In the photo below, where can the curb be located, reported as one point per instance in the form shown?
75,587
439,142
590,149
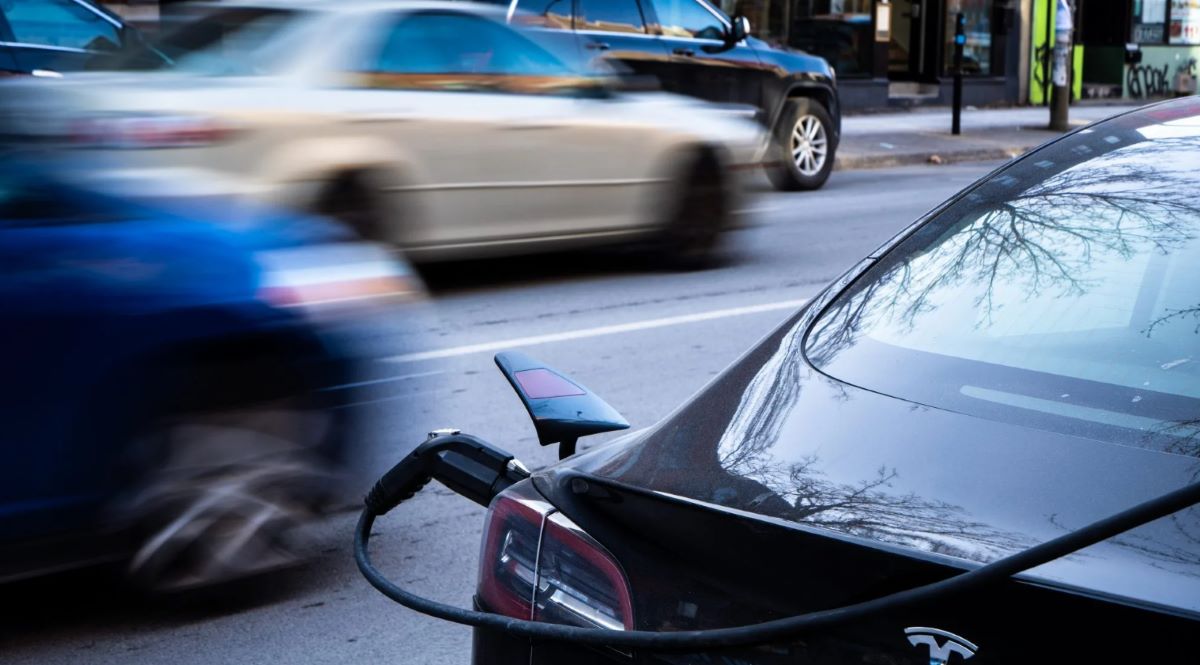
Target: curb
844,162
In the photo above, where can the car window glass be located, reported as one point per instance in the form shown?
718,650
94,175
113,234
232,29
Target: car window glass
1063,293
59,23
544,13
688,18
610,16
461,44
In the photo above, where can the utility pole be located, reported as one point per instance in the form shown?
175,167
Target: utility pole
1060,94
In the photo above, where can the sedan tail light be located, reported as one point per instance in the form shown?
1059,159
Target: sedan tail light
127,132
537,564
335,277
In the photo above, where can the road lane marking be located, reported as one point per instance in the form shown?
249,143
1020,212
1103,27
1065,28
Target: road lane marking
392,398
389,379
757,210
600,331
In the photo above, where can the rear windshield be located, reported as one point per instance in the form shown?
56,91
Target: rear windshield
1062,293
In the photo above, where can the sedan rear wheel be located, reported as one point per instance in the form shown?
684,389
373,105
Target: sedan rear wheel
350,199
692,238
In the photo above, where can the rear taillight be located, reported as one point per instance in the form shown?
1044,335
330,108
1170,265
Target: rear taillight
335,276
537,564
508,563
132,132
579,582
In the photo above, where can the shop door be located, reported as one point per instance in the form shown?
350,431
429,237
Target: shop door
915,48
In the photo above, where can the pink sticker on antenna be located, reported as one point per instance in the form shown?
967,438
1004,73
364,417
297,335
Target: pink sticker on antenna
543,384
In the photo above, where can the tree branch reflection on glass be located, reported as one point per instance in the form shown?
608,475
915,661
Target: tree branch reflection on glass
1065,288
799,490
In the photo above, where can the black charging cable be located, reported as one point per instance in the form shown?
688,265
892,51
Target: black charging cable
421,466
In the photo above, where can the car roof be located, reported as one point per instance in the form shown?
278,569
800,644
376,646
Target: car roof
355,5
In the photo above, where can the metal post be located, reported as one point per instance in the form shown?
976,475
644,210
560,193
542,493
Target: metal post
960,38
1060,95
1046,56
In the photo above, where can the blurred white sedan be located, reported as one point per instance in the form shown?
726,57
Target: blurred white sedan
434,126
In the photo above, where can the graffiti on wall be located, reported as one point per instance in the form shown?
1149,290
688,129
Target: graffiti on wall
1164,71
1143,81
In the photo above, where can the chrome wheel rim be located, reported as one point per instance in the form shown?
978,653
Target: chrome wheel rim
809,145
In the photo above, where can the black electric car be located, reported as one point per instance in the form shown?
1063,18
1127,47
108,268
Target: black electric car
693,48
1021,362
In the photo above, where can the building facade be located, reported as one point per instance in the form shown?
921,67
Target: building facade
1139,49
900,52
890,53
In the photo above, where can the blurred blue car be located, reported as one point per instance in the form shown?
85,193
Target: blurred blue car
164,379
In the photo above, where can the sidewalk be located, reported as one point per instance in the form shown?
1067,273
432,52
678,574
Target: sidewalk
923,136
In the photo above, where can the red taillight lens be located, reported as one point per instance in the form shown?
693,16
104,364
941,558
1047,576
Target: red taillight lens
528,546
579,582
147,131
508,563
335,277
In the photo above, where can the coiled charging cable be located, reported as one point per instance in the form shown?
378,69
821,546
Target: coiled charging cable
452,457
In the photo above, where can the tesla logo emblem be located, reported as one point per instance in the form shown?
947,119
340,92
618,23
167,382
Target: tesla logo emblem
939,654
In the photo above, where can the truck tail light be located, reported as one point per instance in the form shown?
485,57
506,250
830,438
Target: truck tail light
537,564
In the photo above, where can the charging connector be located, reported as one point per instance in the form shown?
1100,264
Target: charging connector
465,464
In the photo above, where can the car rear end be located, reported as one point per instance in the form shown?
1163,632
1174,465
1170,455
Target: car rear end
676,564
915,421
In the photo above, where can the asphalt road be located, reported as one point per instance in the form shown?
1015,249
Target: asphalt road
644,339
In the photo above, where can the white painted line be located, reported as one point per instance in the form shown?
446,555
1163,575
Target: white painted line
390,379
757,210
597,332
392,398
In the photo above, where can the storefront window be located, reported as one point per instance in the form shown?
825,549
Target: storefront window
764,15
1149,21
837,30
977,51
1185,22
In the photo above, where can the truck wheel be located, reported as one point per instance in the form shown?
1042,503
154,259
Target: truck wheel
803,145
